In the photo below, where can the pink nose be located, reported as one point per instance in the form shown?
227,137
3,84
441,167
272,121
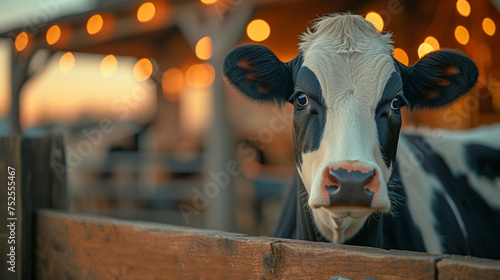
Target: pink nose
350,185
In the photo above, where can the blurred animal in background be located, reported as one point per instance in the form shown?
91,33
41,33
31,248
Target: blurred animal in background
359,181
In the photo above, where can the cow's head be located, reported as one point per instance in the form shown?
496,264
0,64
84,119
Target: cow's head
347,91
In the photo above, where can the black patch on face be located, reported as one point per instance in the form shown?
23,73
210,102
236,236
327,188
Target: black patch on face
389,120
308,121
482,160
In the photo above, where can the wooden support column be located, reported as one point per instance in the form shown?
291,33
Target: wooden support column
225,30
32,176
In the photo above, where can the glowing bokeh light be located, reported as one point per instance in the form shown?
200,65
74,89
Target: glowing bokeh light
200,75
208,2
203,48
172,82
53,34
463,8
376,20
94,24
146,12
489,26
258,30
401,56
66,62
433,42
424,49
143,69
462,35
21,41
109,65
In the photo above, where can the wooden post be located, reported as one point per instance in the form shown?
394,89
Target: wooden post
36,168
225,31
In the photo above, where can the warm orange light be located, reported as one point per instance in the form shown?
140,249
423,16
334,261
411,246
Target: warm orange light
258,30
203,48
489,26
67,62
143,69
172,82
200,75
208,2
94,24
424,49
401,56
433,42
463,8
146,12
462,35
21,41
53,34
108,65
376,20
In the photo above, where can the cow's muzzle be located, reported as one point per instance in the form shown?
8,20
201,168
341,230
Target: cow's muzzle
350,185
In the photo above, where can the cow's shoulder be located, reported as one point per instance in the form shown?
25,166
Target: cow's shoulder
453,179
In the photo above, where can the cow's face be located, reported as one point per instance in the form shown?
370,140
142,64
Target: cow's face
347,92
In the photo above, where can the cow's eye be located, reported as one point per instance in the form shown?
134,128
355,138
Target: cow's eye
302,100
396,103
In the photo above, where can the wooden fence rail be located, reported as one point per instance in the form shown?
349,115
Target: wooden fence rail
77,246
55,244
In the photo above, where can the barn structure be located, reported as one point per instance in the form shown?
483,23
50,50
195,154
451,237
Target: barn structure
160,149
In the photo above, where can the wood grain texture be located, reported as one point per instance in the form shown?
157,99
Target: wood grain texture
75,246
468,268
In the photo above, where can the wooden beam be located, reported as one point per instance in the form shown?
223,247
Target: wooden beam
77,246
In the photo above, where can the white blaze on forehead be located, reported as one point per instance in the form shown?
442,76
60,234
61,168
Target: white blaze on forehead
352,63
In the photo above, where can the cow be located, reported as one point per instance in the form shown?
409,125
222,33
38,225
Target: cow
359,180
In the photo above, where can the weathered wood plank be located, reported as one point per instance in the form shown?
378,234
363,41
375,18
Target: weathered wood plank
76,246
468,268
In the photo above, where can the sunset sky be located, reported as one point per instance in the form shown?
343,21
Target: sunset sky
52,95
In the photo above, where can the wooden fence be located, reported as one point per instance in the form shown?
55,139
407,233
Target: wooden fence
56,244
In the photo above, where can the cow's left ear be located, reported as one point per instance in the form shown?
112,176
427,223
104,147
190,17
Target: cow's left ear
258,74
438,79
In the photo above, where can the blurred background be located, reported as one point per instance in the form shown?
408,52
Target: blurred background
152,130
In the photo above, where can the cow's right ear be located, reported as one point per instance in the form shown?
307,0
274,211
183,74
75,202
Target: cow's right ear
257,73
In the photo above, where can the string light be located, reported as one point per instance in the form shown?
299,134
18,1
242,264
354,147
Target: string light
143,69
489,26
433,42
53,34
109,65
21,41
66,62
401,56
146,12
463,8
94,24
376,20
258,30
424,49
462,35
208,2
203,48
200,75
172,82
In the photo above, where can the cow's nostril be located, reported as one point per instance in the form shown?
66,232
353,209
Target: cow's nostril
332,189
369,192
